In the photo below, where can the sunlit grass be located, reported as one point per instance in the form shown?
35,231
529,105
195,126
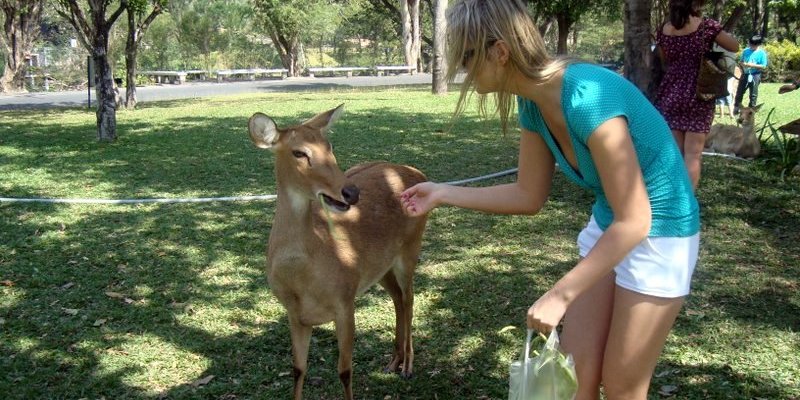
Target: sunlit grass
142,301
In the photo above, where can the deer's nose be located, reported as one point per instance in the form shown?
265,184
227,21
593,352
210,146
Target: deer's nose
350,194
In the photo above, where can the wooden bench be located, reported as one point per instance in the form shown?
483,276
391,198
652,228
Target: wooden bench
382,69
176,77
250,73
333,70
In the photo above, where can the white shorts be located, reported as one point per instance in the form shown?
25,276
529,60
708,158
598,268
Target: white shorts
658,266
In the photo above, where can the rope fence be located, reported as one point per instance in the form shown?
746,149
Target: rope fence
268,197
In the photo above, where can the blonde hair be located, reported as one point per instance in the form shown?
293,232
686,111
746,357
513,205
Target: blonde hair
473,26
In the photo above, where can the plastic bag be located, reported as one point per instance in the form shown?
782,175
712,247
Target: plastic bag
548,376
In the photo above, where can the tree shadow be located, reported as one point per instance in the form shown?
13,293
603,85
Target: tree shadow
187,280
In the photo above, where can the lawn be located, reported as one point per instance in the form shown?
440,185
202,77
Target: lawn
150,301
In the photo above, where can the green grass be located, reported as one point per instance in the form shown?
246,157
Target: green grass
141,301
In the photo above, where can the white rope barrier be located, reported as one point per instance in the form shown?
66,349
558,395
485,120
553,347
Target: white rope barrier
706,153
268,197
136,201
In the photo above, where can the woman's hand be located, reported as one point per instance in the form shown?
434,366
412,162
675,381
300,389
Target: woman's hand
545,314
787,88
421,198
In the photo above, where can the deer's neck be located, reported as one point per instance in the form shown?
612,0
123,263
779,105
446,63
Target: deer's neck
293,208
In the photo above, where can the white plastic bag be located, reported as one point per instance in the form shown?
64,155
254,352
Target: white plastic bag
548,376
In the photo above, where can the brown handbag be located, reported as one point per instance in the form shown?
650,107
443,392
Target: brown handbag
712,78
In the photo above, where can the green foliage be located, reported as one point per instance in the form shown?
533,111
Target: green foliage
368,36
784,60
600,40
782,150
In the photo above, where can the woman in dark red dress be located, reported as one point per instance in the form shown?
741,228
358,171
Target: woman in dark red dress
684,40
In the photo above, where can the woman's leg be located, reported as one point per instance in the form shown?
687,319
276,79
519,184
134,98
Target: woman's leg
585,333
678,135
639,329
693,144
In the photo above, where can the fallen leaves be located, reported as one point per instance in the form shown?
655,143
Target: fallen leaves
203,381
668,390
115,295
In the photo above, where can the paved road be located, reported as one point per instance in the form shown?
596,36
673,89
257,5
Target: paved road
39,100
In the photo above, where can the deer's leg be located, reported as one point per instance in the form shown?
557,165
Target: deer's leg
399,282
301,338
345,334
405,279
389,282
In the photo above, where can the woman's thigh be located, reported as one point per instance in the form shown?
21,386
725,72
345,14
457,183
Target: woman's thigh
585,333
639,329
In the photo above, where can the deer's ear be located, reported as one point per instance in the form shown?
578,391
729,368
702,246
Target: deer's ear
323,121
263,131
758,107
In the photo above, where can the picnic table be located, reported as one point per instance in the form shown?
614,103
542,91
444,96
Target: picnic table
333,70
176,77
381,69
250,73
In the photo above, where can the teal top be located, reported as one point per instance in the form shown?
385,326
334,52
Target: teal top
591,95
758,56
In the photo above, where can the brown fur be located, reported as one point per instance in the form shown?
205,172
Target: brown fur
736,140
320,257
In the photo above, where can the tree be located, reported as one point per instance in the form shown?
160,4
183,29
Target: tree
787,19
283,20
197,29
409,15
567,13
637,43
20,29
138,24
439,61
94,33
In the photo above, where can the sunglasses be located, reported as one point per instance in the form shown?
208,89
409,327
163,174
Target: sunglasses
468,54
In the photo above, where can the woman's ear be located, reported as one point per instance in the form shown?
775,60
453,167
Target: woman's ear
501,52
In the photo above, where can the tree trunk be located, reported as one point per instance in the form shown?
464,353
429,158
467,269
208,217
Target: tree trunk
563,33
288,51
21,29
409,12
13,78
544,26
759,11
106,95
439,60
130,62
638,41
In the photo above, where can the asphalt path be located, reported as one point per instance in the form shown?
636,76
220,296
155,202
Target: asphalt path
195,89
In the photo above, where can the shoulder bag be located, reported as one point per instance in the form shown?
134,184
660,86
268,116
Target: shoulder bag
712,79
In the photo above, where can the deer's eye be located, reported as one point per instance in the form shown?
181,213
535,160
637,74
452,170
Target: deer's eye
299,154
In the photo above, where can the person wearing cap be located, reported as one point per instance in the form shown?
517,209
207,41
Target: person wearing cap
753,61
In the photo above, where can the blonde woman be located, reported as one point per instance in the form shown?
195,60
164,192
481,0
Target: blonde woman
639,248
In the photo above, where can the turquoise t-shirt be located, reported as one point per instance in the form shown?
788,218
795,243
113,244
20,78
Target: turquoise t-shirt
758,56
592,95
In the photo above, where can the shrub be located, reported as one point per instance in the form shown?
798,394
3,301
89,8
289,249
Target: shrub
784,60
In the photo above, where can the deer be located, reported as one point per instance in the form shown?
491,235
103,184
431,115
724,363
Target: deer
736,140
334,235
